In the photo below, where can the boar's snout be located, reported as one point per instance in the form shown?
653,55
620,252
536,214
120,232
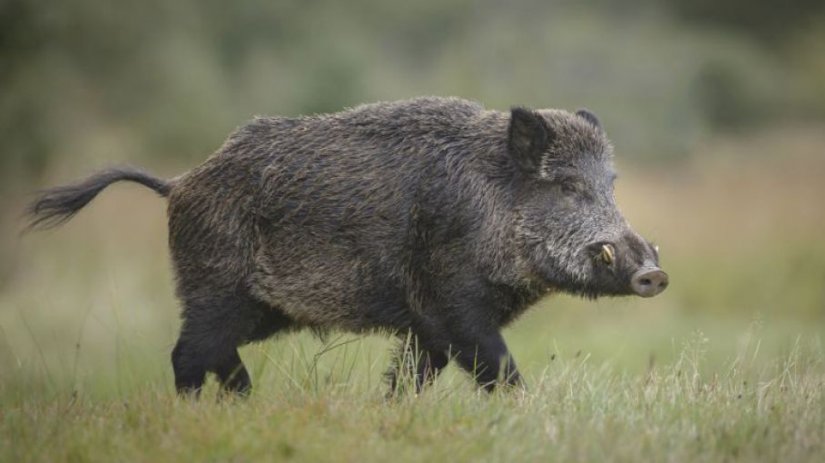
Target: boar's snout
628,265
649,281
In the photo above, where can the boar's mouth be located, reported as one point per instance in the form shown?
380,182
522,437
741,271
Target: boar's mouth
618,274
603,268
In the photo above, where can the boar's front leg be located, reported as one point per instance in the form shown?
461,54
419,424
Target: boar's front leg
469,323
485,356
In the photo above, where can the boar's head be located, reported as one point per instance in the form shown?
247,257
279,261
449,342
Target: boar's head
569,230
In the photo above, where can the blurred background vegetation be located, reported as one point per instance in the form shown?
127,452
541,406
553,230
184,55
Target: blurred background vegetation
169,79
717,111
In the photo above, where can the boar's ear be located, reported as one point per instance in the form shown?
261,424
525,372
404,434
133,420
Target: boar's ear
590,118
529,135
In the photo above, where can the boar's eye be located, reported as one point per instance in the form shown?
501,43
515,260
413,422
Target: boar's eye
574,189
569,188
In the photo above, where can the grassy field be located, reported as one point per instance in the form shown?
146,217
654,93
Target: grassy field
727,364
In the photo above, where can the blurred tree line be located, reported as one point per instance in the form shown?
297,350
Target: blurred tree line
101,81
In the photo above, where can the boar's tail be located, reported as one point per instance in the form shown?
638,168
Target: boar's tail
56,206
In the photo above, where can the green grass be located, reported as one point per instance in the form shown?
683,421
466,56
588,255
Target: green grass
331,407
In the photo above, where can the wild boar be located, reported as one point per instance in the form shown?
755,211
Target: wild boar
432,218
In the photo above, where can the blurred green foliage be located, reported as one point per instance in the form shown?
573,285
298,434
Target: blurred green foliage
766,21
91,81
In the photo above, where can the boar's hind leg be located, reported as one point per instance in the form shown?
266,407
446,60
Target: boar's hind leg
212,330
487,358
415,363
233,375
195,355
189,367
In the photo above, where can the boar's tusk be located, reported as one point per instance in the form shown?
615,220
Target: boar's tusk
607,254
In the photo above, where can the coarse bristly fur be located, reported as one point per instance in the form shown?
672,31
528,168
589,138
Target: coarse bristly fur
432,217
